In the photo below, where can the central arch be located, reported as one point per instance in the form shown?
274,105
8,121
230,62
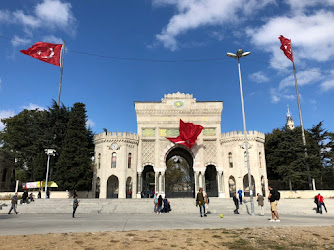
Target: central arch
211,181
179,173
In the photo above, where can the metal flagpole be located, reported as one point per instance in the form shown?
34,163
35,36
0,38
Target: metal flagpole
301,124
61,73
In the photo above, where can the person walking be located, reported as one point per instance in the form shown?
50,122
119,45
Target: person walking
240,196
25,196
260,200
39,196
200,202
159,204
316,203
206,203
14,204
48,194
321,203
273,199
236,203
75,204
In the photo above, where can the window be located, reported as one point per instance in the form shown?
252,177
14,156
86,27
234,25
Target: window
129,160
230,160
260,159
99,161
113,160
245,158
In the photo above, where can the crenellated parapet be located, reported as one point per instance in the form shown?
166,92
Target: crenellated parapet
178,95
238,136
116,137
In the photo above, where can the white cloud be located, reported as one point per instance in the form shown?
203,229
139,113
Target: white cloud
5,16
192,14
32,106
327,85
52,39
5,114
48,15
300,5
55,12
303,77
312,37
277,95
18,41
90,123
26,20
259,77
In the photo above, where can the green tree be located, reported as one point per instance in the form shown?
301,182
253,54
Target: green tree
73,169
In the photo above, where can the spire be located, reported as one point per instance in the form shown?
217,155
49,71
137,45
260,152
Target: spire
289,121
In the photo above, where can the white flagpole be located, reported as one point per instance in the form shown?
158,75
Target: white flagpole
61,73
301,123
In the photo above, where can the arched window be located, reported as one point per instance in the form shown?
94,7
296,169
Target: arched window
113,160
129,160
99,161
230,160
245,158
260,159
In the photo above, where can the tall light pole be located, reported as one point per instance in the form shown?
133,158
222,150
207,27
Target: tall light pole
240,53
49,152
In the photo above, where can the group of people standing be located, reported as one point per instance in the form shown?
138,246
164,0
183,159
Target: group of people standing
158,202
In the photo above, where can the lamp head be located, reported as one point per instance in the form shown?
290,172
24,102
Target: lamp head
231,55
240,52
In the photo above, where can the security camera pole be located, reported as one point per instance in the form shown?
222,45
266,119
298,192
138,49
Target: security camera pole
240,53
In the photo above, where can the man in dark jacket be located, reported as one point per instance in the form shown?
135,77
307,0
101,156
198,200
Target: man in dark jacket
236,203
200,201
75,204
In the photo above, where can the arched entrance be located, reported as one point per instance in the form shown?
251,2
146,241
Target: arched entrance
97,188
231,186
179,173
128,188
112,187
148,176
211,181
246,185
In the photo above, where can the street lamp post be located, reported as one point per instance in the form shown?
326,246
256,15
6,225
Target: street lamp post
240,53
49,152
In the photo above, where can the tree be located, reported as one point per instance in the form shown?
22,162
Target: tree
73,169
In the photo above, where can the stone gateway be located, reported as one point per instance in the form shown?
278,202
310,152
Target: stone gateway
137,165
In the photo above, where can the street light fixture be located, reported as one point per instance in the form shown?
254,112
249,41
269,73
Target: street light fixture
240,53
49,152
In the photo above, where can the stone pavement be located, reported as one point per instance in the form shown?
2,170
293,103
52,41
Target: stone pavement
23,224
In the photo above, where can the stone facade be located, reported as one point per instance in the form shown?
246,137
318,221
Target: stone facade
217,161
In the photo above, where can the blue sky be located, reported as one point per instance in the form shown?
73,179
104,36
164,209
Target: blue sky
193,36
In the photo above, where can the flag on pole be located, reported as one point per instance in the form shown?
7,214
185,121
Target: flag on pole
286,47
188,134
46,52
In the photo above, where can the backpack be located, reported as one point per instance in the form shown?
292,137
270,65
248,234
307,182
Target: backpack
277,195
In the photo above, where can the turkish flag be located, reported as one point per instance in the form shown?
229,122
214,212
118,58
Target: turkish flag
286,47
188,134
46,52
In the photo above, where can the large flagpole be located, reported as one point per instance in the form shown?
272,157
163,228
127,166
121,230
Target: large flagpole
61,73
301,124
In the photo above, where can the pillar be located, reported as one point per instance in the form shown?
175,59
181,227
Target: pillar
103,188
139,181
157,182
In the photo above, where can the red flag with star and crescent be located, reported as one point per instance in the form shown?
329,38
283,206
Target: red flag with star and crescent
286,47
46,52
188,134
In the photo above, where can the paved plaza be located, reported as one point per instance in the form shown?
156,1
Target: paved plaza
24,224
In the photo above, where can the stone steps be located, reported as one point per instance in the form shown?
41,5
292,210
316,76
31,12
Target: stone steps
145,206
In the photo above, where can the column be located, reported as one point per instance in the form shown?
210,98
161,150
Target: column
163,184
157,182
103,188
139,182
203,182
196,181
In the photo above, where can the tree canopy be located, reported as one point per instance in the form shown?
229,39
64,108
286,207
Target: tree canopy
29,133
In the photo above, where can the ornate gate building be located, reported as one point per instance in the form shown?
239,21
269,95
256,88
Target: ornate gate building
134,165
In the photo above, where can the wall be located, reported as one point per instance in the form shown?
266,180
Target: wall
54,194
306,194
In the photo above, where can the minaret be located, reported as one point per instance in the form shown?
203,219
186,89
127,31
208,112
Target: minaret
289,121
